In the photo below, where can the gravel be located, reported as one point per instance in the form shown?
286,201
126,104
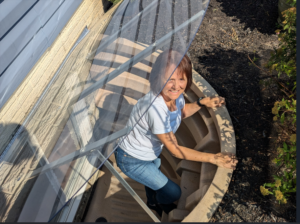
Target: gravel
230,32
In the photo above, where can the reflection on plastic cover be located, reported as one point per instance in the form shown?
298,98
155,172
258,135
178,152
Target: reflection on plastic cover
84,114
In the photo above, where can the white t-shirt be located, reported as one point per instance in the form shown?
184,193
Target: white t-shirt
142,142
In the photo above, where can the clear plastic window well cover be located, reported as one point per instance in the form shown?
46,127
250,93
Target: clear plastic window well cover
58,150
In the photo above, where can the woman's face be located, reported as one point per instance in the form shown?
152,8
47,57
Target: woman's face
175,85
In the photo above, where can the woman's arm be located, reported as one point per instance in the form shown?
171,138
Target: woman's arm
225,160
190,108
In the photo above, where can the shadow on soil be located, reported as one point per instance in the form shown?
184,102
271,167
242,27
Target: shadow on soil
260,14
230,74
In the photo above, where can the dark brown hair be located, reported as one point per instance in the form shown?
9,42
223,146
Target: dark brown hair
161,65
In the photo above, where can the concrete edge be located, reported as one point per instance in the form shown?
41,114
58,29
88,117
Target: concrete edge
205,209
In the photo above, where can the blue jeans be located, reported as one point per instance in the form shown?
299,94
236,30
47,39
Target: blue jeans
158,186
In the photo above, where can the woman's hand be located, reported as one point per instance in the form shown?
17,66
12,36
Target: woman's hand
191,108
214,101
225,160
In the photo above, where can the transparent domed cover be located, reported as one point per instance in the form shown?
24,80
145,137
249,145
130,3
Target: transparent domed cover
51,164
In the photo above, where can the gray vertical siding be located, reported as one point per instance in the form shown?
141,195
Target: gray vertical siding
27,29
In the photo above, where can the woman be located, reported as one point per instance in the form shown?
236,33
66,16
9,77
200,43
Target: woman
138,153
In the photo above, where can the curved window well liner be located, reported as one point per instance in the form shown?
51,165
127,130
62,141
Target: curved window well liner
202,184
82,118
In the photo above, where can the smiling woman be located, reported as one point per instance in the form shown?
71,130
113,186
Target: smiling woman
96,83
138,154
164,66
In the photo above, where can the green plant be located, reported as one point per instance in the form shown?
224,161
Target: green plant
286,183
286,156
117,1
114,1
283,60
285,109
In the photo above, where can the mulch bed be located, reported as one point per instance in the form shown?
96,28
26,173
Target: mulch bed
232,30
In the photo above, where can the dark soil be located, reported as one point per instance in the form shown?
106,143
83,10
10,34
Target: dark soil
232,30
